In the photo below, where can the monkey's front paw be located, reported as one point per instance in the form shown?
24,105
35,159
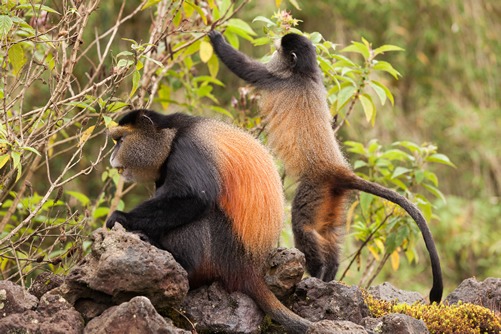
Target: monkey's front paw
213,35
117,217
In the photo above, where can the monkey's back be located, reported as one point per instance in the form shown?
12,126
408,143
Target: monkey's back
299,128
251,193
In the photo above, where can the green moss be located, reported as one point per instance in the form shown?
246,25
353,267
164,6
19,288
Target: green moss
462,318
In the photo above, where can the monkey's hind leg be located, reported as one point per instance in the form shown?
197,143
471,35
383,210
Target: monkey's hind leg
317,217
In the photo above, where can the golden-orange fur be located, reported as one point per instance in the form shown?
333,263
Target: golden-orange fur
299,131
252,197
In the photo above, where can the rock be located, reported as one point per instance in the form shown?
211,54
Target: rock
123,266
338,327
14,299
284,270
316,300
135,316
388,292
212,309
45,282
402,324
486,293
54,315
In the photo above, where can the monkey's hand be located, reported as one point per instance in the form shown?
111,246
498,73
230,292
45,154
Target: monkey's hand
117,217
215,35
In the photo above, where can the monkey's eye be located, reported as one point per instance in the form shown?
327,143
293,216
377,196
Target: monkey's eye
118,139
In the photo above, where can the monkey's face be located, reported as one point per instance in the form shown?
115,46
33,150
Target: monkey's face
140,150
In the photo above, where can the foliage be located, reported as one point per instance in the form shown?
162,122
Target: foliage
70,72
67,73
441,318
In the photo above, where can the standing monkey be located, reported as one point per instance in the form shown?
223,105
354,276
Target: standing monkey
294,106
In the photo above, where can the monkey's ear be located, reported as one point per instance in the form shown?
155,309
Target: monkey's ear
293,59
145,122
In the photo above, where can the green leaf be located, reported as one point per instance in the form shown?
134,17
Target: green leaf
213,65
386,67
441,159
84,200
232,39
241,25
208,79
198,10
100,212
315,37
355,147
31,149
359,164
387,48
399,184
419,175
358,48
269,23
149,4
431,177
400,171
345,95
5,25
39,8
17,58
261,41
136,77
116,106
206,51
391,243
4,159
395,154
369,109
125,63
16,159
377,86
125,54
295,4
434,191
365,201
409,145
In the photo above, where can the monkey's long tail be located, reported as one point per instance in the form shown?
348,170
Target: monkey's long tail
358,183
256,288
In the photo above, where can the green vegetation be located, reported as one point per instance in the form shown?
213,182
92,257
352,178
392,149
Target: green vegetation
413,101
444,319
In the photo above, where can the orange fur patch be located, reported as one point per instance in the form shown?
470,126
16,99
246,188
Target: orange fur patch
329,217
252,192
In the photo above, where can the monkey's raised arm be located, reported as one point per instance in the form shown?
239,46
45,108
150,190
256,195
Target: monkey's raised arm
244,67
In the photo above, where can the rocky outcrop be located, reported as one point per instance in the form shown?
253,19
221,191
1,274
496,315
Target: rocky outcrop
126,285
395,323
52,315
316,300
486,293
135,316
388,292
214,310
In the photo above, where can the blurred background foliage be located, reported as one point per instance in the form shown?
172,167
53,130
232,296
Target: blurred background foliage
420,115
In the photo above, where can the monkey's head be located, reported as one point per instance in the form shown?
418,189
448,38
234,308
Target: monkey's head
141,146
295,56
